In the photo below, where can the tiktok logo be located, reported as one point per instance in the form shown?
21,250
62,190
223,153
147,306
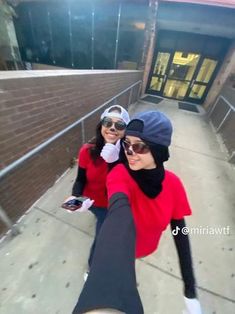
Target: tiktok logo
175,231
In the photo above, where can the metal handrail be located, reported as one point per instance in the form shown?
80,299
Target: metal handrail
231,108
35,150
3,216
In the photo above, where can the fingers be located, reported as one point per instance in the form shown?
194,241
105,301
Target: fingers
192,306
88,203
118,144
110,152
108,146
69,198
85,205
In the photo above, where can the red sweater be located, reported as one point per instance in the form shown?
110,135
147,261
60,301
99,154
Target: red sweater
151,216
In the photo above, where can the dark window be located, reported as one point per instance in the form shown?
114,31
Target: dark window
81,22
131,36
105,32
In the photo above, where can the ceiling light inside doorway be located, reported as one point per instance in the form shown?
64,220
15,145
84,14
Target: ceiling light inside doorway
139,25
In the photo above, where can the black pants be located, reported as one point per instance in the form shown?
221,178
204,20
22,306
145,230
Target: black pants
100,214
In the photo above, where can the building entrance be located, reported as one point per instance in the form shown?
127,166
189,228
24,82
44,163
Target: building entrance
183,76
181,73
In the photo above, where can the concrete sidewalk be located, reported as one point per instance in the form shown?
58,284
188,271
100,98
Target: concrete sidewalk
41,269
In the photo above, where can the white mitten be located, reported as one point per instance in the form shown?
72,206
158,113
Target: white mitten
85,205
110,152
192,306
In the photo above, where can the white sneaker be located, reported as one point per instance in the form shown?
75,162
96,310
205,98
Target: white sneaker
85,275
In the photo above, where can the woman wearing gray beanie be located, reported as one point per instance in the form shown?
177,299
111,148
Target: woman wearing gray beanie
144,199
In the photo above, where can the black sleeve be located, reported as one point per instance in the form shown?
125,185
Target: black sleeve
111,282
184,253
111,165
80,182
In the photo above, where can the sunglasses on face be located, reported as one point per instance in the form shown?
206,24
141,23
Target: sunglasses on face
108,122
138,148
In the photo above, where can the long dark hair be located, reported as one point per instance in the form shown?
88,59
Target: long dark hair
98,142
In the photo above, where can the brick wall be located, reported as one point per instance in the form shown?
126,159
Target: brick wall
35,105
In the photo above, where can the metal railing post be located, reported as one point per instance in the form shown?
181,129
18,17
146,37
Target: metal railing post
130,97
7,221
139,91
224,119
83,131
213,107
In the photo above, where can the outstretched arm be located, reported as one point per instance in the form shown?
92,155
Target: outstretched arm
112,282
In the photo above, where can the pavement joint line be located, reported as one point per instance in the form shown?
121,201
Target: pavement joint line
141,260
145,262
200,153
179,278
61,220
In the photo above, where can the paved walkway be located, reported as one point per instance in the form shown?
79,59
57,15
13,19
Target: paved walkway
41,269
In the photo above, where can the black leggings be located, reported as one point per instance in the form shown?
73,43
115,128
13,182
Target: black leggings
100,214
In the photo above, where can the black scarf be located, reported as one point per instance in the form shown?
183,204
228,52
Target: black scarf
148,180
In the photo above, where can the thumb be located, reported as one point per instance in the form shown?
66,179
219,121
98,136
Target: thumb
118,144
88,202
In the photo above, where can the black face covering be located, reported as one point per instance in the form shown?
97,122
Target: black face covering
148,180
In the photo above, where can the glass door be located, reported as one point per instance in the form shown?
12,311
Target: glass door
158,76
202,81
180,74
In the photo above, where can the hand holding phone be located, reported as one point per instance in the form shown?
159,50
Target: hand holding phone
79,204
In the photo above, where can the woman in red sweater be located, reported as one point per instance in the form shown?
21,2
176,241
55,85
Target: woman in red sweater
93,169
144,199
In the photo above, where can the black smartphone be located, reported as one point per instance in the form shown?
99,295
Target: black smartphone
74,204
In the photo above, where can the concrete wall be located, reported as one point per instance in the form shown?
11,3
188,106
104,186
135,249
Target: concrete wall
150,41
35,105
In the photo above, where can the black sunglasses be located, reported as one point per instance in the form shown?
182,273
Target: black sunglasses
138,148
108,122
